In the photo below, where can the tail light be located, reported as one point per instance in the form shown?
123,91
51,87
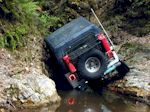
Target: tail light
105,44
70,65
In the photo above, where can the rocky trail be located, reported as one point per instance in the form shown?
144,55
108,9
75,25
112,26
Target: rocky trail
23,77
26,84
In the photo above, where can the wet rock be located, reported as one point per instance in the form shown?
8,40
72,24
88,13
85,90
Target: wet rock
137,82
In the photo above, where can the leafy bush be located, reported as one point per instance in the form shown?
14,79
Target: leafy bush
19,19
48,21
16,18
135,14
138,17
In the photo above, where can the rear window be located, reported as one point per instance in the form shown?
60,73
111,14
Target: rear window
82,46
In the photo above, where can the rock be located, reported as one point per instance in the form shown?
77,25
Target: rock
26,86
138,79
2,110
137,82
32,88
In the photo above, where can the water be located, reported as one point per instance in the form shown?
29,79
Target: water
77,101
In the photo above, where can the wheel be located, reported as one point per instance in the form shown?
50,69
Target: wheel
92,64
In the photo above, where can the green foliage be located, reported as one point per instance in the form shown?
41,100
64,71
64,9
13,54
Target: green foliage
132,16
48,21
1,42
19,9
128,50
19,19
14,38
138,16
45,18
114,23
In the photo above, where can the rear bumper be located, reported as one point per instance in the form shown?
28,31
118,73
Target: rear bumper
111,68
113,64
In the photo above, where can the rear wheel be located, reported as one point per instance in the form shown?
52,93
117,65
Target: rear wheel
92,65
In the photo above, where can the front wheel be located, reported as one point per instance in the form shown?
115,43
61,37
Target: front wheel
92,64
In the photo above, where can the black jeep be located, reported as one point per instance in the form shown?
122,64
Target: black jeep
81,53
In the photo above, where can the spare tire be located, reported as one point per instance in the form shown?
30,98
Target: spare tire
92,64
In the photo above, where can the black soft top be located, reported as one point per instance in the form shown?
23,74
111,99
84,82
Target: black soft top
69,31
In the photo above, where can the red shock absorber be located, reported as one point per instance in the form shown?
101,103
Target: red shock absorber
105,44
71,67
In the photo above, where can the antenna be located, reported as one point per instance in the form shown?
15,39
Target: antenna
102,27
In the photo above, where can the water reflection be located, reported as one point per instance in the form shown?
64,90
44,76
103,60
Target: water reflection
77,101
44,108
81,101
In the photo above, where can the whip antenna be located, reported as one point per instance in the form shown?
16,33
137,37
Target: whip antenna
102,27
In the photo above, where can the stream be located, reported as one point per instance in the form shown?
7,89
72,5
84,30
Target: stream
79,101
76,101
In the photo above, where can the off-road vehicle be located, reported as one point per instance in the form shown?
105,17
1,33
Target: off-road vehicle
82,52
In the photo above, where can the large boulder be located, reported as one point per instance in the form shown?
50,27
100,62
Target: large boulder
30,89
33,88
26,86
